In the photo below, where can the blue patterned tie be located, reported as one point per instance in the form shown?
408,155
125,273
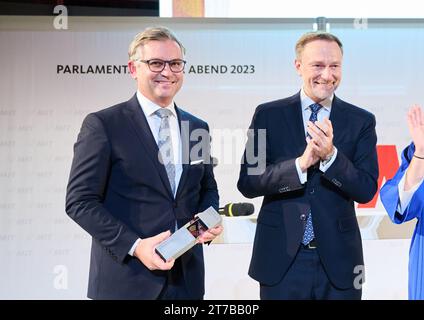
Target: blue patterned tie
308,234
314,115
165,145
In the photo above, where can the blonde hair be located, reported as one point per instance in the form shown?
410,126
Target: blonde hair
150,34
315,35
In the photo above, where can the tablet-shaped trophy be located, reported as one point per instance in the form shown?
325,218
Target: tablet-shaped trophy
185,238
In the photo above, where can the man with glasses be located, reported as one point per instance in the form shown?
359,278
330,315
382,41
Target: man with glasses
134,180
321,157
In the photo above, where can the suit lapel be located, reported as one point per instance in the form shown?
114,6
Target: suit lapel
338,118
141,126
186,144
294,122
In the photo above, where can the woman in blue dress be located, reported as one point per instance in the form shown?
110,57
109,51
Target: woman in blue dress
403,199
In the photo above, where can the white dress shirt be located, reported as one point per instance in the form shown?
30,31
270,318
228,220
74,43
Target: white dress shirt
324,112
405,196
149,108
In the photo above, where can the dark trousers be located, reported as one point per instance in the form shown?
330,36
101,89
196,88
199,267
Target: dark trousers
175,287
306,279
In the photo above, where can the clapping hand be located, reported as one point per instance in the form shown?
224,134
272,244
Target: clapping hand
416,129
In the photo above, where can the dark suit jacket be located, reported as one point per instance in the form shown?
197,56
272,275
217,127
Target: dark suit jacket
330,195
118,191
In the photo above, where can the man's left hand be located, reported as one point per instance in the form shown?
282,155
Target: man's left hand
322,137
210,235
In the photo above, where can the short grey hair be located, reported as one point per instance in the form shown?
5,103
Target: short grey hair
150,34
315,35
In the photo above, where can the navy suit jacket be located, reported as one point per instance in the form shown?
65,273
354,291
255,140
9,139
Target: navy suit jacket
118,191
330,195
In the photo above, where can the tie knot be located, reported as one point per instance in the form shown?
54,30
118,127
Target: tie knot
163,113
315,107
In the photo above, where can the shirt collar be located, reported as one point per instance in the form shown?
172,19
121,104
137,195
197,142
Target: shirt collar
306,101
149,107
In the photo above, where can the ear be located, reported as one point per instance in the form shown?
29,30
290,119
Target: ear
298,65
132,68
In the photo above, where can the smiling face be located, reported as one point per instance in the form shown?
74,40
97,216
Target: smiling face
159,87
320,66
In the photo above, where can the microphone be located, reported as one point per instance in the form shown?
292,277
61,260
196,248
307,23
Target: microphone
237,209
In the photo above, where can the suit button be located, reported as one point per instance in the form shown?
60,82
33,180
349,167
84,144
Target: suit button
303,217
175,204
312,191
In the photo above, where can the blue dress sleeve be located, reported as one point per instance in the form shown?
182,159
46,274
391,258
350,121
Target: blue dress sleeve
390,195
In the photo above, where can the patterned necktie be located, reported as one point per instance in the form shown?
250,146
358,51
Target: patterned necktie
314,115
308,234
165,145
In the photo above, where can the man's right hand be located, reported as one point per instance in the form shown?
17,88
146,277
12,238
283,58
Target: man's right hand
416,128
308,158
145,252
415,172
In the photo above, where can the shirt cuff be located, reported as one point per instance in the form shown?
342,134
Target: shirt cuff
325,164
405,196
303,176
131,252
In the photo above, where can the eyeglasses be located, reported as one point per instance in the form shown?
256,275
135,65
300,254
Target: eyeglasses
157,65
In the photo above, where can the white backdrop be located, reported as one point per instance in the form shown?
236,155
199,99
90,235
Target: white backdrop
45,254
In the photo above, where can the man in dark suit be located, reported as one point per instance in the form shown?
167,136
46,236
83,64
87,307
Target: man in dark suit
134,180
319,157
